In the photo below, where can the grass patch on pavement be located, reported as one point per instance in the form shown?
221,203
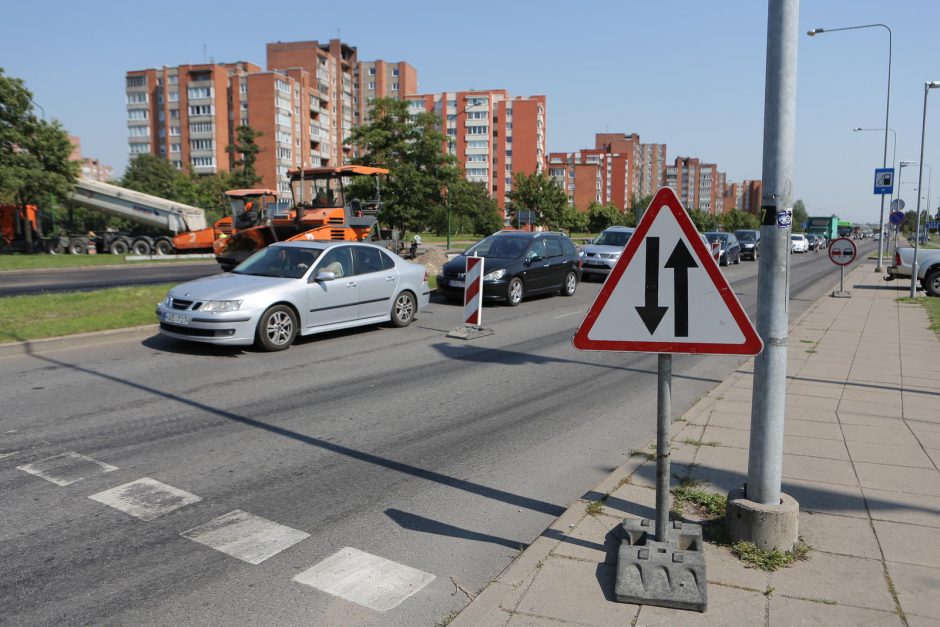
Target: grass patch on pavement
932,305
594,507
33,317
748,553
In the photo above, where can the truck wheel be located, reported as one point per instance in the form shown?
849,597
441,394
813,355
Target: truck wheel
277,328
514,292
403,309
120,247
141,247
78,247
163,247
932,283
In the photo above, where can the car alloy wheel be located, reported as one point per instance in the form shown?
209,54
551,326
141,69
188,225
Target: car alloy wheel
514,292
570,285
277,328
403,310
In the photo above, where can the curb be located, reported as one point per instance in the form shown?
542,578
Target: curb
79,340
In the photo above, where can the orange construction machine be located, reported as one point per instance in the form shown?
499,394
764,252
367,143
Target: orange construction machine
323,209
247,206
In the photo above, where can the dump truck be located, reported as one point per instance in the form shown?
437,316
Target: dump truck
323,208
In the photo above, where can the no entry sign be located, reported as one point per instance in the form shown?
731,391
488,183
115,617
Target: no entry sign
842,251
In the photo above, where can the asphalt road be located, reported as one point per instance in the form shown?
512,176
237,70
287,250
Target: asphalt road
440,455
99,277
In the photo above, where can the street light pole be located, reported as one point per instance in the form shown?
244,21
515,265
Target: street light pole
816,31
920,185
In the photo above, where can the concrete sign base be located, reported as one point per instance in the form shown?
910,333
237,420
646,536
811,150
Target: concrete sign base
767,526
469,333
666,574
841,294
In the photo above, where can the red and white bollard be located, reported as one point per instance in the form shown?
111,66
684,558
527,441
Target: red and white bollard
472,303
473,292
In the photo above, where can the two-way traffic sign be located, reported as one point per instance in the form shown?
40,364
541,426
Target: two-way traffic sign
672,298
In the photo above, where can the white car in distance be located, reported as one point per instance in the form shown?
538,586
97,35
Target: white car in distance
798,243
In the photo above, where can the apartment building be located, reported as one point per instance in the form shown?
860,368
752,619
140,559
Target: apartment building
593,176
698,185
378,79
745,196
89,168
493,135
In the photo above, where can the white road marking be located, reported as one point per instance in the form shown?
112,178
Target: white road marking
573,313
145,498
10,454
66,468
247,537
375,582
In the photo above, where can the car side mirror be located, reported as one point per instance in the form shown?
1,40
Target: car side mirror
533,257
325,275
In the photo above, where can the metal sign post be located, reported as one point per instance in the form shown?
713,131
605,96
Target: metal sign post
842,252
663,418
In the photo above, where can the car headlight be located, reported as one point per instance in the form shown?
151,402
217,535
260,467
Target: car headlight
580,253
168,301
495,275
221,305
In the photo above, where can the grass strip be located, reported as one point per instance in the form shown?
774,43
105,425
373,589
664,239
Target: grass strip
748,553
39,262
932,305
33,317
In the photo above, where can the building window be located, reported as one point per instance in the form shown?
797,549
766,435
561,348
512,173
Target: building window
203,162
174,114
138,131
242,87
136,81
173,96
372,71
174,147
395,86
478,130
283,153
172,79
477,158
174,131
137,149
197,110
199,92
282,86
371,86
395,72
473,101
138,114
137,98
477,115
200,127
202,144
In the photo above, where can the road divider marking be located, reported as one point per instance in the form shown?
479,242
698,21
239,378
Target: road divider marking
571,313
368,580
245,536
66,468
10,454
145,498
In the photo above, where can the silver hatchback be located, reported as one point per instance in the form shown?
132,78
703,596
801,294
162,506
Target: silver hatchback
296,288
600,256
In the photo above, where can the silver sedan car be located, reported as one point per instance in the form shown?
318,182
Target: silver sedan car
296,288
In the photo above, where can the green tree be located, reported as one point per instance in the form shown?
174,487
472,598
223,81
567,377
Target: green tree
541,195
602,216
574,220
800,217
156,176
639,206
411,148
471,203
34,154
737,219
244,156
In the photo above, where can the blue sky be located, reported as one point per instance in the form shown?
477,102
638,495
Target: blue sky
688,74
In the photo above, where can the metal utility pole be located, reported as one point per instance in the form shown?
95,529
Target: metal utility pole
765,462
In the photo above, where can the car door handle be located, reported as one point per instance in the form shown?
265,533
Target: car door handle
389,278
352,284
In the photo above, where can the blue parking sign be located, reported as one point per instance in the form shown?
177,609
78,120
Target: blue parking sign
884,181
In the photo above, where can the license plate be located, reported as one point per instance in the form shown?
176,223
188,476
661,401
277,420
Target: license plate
175,318
456,283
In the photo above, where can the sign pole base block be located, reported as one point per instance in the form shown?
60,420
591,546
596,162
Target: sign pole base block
668,573
841,294
769,527
469,333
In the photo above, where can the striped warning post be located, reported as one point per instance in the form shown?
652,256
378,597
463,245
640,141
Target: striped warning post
473,292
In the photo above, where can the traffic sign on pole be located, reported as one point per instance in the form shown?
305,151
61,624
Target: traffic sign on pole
667,294
897,218
884,181
842,251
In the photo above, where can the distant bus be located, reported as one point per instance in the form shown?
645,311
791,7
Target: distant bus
823,226
846,228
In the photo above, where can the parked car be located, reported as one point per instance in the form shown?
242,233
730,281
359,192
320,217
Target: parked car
600,256
296,288
729,250
928,268
750,243
798,243
516,264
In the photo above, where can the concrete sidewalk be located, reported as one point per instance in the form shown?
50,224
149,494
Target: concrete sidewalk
862,451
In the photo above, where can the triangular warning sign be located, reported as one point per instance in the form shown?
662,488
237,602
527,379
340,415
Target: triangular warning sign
667,295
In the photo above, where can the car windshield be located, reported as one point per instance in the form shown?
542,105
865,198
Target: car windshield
279,261
718,237
499,247
796,237
744,236
613,238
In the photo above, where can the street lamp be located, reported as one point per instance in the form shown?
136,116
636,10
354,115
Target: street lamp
817,31
906,164
920,185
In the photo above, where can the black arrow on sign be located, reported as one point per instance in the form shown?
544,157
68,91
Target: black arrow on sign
681,260
651,313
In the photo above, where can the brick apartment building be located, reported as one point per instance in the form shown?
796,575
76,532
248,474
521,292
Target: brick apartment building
619,169
305,105
494,136
698,185
745,196
89,168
